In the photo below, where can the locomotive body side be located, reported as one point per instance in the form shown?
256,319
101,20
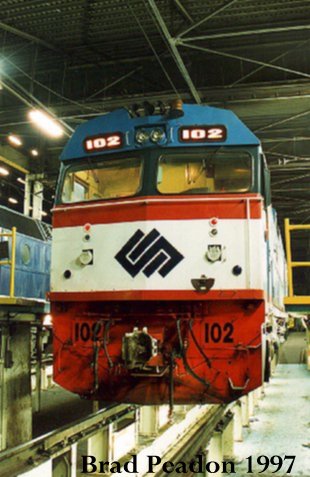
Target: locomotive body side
159,260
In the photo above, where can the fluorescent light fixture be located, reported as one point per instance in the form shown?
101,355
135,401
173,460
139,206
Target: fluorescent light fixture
4,171
15,140
44,213
46,123
34,152
12,200
21,180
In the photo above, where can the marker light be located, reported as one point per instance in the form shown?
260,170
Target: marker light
141,136
213,221
15,140
46,123
3,171
12,200
87,227
34,152
157,135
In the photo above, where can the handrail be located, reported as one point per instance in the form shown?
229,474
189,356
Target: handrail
290,263
11,261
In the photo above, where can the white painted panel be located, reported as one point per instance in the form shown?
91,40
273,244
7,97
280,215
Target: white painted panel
40,471
190,237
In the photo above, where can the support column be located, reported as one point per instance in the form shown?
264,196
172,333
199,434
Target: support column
228,441
16,406
152,418
257,395
215,454
100,445
37,202
37,396
238,428
149,421
251,404
27,195
245,411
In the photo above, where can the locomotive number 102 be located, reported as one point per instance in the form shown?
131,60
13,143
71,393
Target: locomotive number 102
216,133
104,141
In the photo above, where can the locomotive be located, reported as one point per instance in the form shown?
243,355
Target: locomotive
32,252
167,265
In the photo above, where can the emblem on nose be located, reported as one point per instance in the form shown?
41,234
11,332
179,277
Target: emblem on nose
148,254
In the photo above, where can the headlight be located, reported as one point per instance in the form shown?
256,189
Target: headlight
214,253
86,257
141,136
157,135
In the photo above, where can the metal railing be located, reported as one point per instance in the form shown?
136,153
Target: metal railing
291,264
11,261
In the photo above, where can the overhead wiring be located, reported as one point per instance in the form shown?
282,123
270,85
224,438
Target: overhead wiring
154,51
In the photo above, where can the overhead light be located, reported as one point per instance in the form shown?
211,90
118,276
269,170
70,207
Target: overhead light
34,152
15,140
3,171
44,213
12,200
22,181
46,123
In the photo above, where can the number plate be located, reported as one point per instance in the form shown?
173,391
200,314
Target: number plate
216,133
88,332
219,333
103,142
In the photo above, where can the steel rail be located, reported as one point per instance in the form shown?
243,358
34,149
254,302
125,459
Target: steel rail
195,440
25,457
31,454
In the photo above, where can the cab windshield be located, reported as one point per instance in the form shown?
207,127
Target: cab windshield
207,172
102,179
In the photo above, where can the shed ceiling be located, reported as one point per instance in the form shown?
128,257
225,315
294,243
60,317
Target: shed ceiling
80,58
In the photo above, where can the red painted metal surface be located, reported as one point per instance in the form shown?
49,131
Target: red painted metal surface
209,366
164,295
157,208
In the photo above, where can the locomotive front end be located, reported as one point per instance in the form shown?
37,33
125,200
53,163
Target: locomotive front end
159,260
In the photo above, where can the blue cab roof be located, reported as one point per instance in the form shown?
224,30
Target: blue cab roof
120,121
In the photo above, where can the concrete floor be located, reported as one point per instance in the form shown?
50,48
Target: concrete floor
281,425
291,351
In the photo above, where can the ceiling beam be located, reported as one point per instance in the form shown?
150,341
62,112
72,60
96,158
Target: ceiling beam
184,11
282,121
27,36
29,100
174,51
208,17
273,60
242,58
233,34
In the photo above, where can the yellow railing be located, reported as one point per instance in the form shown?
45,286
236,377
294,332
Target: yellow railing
11,261
291,298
